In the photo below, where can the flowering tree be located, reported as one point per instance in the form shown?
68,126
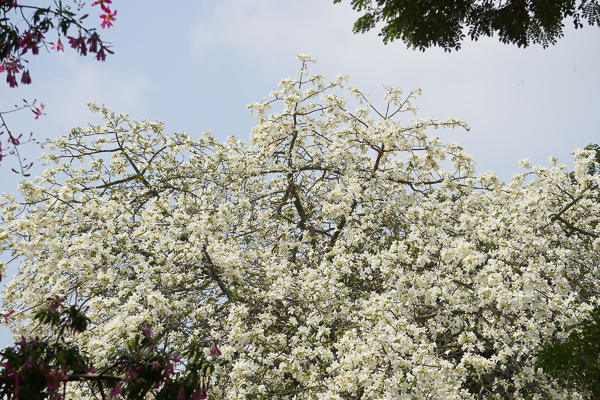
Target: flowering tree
36,23
340,254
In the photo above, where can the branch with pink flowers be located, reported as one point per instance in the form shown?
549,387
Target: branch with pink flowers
43,368
39,21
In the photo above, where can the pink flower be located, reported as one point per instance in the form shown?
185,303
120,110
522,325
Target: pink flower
181,395
24,343
54,378
54,300
30,40
29,364
93,42
155,366
58,46
200,394
78,44
11,67
148,334
102,3
25,78
101,56
116,390
215,351
38,112
168,369
8,314
15,140
108,18
12,81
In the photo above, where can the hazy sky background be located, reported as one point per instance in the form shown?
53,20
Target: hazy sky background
198,65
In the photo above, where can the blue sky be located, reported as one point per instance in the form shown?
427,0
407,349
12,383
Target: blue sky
196,66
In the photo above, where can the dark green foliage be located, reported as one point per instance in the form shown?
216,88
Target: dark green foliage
34,369
426,23
575,362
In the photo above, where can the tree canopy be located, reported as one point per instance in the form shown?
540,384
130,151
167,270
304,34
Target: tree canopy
446,23
341,253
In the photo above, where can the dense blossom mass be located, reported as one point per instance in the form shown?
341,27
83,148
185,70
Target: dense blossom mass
342,253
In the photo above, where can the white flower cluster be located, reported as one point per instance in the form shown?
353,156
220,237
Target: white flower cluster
341,254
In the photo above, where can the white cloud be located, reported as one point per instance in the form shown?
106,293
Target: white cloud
272,32
84,81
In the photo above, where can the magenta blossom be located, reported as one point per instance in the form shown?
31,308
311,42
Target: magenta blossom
11,68
93,42
108,18
15,140
78,44
102,3
25,78
200,394
148,334
31,40
116,390
147,331
215,351
24,343
101,56
155,366
11,79
54,378
7,315
38,112
29,364
58,46
168,369
56,301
